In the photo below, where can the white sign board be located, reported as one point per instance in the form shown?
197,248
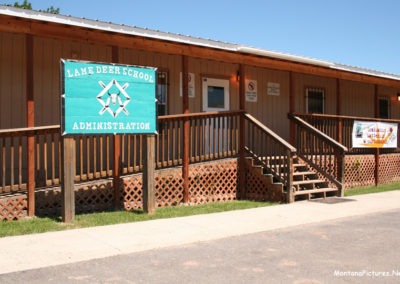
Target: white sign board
190,84
273,89
372,134
251,90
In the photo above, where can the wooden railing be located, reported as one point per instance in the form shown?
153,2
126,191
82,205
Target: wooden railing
340,129
269,150
212,136
320,151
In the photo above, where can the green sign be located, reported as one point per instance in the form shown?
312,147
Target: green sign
100,98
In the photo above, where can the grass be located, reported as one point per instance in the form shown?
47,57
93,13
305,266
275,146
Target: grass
40,225
372,189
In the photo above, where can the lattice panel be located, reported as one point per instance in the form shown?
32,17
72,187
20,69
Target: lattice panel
94,197
169,188
359,170
213,181
256,186
13,207
89,197
48,202
389,168
132,192
259,189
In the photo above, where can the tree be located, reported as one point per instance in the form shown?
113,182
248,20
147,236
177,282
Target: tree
27,5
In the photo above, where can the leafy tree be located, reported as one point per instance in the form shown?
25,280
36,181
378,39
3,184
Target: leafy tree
27,5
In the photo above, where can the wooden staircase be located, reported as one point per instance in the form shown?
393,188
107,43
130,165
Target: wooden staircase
307,184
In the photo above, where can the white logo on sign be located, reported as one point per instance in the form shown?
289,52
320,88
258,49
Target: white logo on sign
113,102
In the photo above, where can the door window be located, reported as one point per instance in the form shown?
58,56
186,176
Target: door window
215,94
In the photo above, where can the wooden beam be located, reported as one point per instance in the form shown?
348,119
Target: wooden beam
242,162
292,106
377,152
30,121
339,112
185,135
93,36
117,150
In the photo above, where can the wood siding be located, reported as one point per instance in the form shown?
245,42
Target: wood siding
357,99
270,110
308,81
47,56
12,81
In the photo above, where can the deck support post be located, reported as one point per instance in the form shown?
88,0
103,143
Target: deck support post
340,168
242,161
377,152
148,175
339,112
186,129
292,96
289,176
30,116
117,151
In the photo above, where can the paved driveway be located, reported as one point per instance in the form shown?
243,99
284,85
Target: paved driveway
358,249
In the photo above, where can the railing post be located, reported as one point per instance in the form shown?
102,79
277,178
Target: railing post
117,150
186,126
289,177
30,115
242,168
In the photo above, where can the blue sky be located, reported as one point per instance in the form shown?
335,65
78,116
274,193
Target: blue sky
364,33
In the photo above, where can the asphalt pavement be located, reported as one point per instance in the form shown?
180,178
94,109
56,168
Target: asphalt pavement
195,236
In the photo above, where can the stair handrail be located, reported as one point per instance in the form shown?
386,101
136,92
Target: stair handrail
262,142
323,153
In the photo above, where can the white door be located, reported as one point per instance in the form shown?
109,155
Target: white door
215,98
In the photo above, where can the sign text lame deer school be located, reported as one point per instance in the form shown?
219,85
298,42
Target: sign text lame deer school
99,98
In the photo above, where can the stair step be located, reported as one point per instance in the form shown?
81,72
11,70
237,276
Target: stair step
311,191
300,182
304,173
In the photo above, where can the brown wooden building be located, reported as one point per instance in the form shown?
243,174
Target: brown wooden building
235,121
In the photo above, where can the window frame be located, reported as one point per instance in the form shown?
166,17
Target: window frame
307,99
387,100
166,84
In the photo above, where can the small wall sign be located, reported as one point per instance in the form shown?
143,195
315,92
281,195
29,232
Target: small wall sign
191,84
273,89
251,90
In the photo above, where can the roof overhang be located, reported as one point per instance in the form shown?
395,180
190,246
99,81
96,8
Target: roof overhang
33,15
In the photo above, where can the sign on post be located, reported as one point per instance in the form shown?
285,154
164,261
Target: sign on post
100,98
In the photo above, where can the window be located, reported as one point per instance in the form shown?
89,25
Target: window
315,100
384,108
215,94
216,97
162,93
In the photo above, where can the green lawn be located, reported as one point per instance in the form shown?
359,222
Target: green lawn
372,189
40,225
